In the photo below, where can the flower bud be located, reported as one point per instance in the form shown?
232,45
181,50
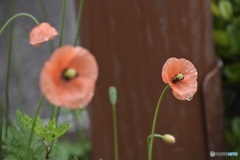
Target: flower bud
169,139
113,95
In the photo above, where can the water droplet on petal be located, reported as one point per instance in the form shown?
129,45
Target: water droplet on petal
189,99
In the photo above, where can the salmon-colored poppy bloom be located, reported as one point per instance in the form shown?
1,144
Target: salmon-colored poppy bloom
42,33
68,77
181,75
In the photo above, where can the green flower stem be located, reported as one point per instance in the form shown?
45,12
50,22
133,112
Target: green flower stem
1,127
150,147
154,135
45,13
82,139
60,44
14,17
57,114
33,125
8,71
80,7
52,111
115,131
63,20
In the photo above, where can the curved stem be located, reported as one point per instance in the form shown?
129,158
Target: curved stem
150,147
154,135
33,125
80,7
14,17
8,71
62,25
115,132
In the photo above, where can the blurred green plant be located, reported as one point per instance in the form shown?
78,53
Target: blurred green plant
226,36
14,146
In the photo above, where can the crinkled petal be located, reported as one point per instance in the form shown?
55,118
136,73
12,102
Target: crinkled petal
42,33
186,88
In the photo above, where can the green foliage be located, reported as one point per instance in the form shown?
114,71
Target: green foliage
225,8
66,149
15,145
233,136
226,36
51,131
48,132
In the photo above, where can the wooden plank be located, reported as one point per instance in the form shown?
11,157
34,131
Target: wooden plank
131,40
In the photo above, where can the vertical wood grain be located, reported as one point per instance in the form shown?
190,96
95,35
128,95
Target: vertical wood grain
131,40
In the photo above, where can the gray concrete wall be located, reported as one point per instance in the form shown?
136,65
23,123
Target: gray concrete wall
27,60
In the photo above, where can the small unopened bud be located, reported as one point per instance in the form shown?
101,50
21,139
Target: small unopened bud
113,95
168,139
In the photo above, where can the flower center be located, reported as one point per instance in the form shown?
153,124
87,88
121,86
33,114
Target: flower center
177,78
69,74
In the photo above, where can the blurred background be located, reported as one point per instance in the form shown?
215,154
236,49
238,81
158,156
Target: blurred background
226,33
131,40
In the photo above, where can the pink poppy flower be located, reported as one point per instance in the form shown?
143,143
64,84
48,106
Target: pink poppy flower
181,75
42,33
68,78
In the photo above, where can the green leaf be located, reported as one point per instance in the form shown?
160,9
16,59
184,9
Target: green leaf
232,73
236,127
234,39
28,121
220,38
51,131
225,8
15,145
214,9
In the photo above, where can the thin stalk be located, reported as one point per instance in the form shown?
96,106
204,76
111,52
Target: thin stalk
60,44
33,125
8,71
44,9
115,131
150,147
80,7
82,140
155,135
45,13
52,111
57,114
1,127
14,17
63,20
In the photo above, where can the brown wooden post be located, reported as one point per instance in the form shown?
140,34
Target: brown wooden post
131,40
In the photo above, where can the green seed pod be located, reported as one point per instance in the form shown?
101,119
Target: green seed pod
225,8
113,95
